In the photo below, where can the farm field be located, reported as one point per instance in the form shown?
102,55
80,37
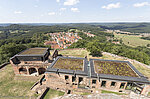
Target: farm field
131,40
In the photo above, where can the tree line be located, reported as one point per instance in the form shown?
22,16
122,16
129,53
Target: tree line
98,44
12,44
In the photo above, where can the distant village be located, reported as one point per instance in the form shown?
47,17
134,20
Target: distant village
62,40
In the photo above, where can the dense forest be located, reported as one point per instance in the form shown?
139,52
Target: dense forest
15,38
129,27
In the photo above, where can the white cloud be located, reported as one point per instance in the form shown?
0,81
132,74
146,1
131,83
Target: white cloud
75,10
111,6
35,6
57,0
17,12
51,13
141,4
62,9
71,2
37,0
60,13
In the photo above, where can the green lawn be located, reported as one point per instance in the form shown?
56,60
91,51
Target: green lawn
117,93
53,93
76,53
131,40
11,87
1,31
85,93
149,94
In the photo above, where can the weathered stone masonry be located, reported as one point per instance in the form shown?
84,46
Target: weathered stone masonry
88,79
36,61
33,61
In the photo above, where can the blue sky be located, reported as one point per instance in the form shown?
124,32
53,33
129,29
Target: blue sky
74,11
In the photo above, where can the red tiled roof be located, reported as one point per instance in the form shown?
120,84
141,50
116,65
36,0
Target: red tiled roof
50,42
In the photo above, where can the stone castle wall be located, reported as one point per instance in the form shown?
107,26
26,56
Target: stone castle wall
58,81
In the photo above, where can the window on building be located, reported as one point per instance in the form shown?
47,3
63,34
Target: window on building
80,79
73,78
129,86
120,90
122,85
103,84
66,77
113,83
93,81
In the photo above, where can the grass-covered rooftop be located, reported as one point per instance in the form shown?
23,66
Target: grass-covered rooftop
113,68
69,63
34,51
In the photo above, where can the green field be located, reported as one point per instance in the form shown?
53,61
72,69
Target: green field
53,93
149,94
75,53
1,31
131,40
117,93
12,88
15,87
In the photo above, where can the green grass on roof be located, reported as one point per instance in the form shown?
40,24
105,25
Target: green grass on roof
114,68
33,51
71,64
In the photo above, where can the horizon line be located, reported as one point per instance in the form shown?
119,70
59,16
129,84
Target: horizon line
71,22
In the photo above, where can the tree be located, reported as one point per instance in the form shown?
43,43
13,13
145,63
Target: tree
94,49
9,50
148,45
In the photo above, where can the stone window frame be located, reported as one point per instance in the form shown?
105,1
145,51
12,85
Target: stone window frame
73,78
113,85
122,85
94,81
66,77
80,79
103,84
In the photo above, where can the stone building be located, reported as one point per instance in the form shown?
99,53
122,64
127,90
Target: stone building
70,73
33,61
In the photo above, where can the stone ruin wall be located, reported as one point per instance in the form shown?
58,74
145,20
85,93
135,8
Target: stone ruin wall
57,81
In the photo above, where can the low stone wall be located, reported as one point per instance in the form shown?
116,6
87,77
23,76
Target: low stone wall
43,93
34,85
39,81
3,65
